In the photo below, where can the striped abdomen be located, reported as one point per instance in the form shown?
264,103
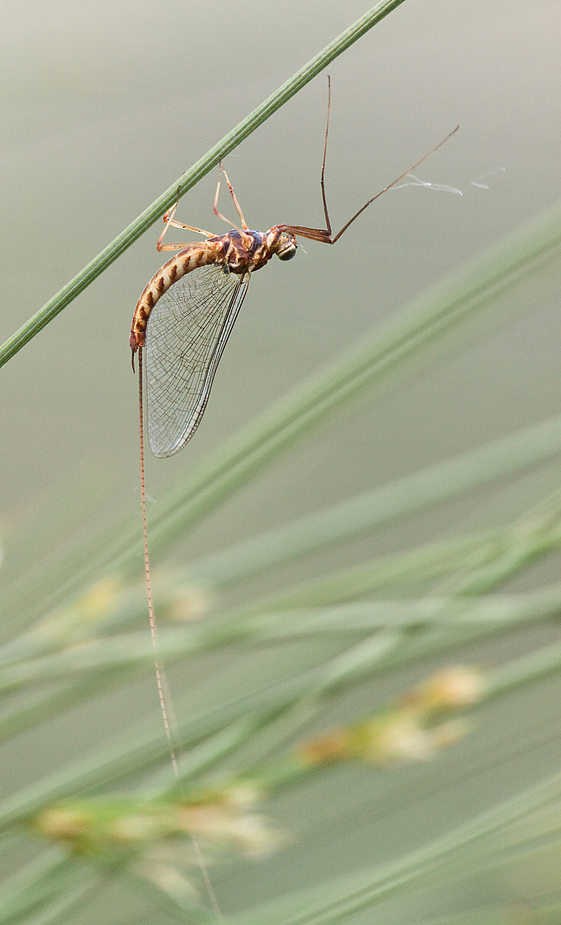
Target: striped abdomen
194,256
239,251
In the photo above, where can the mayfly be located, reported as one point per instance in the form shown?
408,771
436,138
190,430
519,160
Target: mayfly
180,328
186,313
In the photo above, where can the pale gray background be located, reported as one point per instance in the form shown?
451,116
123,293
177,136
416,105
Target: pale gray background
104,105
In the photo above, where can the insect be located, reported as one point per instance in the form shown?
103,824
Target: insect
180,327
186,313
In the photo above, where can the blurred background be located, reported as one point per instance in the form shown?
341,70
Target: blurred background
105,105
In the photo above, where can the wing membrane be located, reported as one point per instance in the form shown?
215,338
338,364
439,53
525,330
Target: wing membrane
186,334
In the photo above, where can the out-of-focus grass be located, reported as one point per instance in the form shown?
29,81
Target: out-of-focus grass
330,660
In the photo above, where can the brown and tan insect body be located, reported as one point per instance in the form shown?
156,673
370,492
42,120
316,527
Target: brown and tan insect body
186,312
239,252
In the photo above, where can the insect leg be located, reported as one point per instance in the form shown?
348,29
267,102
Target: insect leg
236,203
168,220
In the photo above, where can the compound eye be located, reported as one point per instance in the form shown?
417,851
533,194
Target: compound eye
287,248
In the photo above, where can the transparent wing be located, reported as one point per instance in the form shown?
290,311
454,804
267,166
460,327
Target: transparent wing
186,334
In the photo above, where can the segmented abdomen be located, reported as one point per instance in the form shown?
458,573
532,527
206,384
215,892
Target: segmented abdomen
194,256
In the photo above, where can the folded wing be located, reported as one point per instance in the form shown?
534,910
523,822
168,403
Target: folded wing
187,331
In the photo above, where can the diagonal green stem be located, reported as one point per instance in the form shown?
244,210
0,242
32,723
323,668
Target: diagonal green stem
189,179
